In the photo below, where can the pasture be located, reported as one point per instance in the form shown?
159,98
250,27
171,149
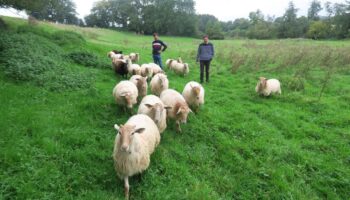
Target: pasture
56,120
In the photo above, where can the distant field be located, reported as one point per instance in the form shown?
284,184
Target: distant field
57,135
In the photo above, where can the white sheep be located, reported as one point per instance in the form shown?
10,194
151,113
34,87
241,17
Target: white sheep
141,84
125,94
178,107
134,69
134,143
146,70
153,107
181,68
156,68
194,95
115,54
159,83
135,57
170,63
267,87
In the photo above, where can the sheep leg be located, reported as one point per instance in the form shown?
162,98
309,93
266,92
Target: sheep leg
178,127
126,187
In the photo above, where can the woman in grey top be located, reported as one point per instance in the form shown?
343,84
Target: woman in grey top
204,56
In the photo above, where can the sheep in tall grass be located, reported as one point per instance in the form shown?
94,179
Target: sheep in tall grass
159,83
156,68
135,57
170,63
134,143
266,87
194,95
141,84
115,54
153,107
178,107
181,68
147,70
125,94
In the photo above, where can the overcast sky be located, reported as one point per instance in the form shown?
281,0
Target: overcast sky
227,10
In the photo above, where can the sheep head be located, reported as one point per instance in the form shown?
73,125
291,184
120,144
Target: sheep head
161,79
196,91
179,60
110,54
126,135
128,99
182,111
157,111
262,83
186,68
142,83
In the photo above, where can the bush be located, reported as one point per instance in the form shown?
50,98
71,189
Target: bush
33,29
33,58
88,59
67,38
3,25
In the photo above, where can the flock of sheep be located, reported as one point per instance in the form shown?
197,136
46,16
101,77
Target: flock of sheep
137,139
139,136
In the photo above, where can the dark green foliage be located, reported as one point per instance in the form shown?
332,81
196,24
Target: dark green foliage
3,25
33,58
68,38
33,29
88,59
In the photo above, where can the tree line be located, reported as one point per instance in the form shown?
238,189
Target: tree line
179,18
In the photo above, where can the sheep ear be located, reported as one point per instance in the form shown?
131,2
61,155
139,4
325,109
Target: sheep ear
190,110
116,127
140,130
179,111
148,105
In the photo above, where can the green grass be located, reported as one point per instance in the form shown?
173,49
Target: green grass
58,145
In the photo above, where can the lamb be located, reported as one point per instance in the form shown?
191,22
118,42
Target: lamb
181,68
146,70
141,84
153,107
135,57
179,108
134,69
134,143
194,95
159,83
267,87
120,66
156,68
125,94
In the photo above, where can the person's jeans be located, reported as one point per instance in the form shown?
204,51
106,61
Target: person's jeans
158,60
206,64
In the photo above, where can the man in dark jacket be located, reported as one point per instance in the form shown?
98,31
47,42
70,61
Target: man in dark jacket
204,56
158,47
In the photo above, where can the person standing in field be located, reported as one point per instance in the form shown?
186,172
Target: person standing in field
204,56
158,47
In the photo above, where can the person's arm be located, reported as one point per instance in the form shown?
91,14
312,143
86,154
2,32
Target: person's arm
164,46
212,51
198,53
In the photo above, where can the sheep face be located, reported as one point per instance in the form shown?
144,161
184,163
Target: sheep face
126,135
142,83
261,85
161,80
182,114
128,100
196,91
186,68
157,111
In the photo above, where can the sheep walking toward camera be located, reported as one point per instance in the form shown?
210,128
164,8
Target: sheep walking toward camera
125,94
178,107
147,70
267,87
194,95
181,68
159,83
156,68
135,57
153,107
134,143
141,84
120,66
134,69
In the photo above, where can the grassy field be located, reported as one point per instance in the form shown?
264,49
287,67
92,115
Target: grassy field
57,135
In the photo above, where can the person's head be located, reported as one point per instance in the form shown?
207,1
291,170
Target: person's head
206,39
155,36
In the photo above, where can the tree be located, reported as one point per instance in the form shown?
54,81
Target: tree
318,30
313,11
288,24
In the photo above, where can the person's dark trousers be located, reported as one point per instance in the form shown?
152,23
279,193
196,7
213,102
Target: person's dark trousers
206,64
158,60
